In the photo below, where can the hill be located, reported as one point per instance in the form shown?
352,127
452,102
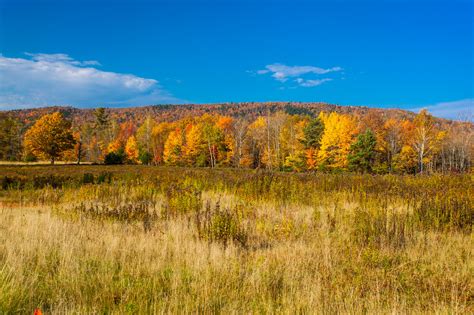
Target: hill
249,110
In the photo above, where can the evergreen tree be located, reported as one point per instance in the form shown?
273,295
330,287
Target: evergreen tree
101,118
10,138
362,152
313,132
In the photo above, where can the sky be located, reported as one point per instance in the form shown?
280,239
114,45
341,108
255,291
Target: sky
394,53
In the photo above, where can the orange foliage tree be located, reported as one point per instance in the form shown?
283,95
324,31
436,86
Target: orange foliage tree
131,149
172,151
50,137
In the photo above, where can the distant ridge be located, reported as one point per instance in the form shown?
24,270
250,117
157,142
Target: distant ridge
166,112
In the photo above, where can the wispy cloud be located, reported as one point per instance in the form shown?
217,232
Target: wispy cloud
58,79
461,109
282,73
310,83
62,58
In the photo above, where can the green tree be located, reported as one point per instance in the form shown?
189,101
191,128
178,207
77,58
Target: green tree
144,136
10,138
313,132
362,152
101,118
103,131
50,137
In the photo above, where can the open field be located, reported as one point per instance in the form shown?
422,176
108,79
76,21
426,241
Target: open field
138,239
21,163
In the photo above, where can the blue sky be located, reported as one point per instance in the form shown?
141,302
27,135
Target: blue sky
407,54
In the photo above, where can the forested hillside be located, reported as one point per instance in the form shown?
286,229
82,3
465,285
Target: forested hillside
280,136
173,112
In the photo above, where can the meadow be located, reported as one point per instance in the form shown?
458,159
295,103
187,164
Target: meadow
144,239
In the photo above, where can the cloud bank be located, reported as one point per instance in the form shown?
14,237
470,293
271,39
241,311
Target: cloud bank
57,79
461,109
283,73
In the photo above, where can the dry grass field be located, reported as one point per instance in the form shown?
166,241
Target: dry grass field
137,239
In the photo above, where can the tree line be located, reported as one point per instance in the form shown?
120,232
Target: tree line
278,141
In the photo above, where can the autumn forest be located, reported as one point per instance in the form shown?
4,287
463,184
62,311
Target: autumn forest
297,138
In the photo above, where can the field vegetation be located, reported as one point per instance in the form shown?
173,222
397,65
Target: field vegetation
146,239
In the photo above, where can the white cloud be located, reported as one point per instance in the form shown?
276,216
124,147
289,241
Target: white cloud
62,58
310,83
57,79
461,109
282,73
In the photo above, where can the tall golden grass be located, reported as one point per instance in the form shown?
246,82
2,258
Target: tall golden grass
136,239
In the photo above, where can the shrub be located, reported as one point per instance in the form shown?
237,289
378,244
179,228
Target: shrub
444,212
182,200
145,157
113,158
88,178
6,182
54,181
30,157
104,177
129,212
378,228
220,225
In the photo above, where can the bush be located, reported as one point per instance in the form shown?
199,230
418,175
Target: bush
104,177
88,178
221,226
378,228
128,212
446,212
6,182
30,157
182,200
113,158
145,157
54,181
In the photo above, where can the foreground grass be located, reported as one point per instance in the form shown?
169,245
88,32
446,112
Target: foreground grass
241,242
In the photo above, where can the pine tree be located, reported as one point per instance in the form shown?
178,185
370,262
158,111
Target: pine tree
313,132
10,138
362,152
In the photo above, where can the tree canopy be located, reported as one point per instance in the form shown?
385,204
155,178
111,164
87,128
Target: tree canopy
50,137
272,139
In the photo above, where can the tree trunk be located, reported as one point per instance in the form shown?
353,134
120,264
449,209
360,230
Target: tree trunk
79,153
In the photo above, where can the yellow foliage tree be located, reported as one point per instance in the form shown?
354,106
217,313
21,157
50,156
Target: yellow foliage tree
292,149
131,149
339,133
255,144
227,149
114,146
194,143
50,137
391,141
425,138
144,135
159,135
173,147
